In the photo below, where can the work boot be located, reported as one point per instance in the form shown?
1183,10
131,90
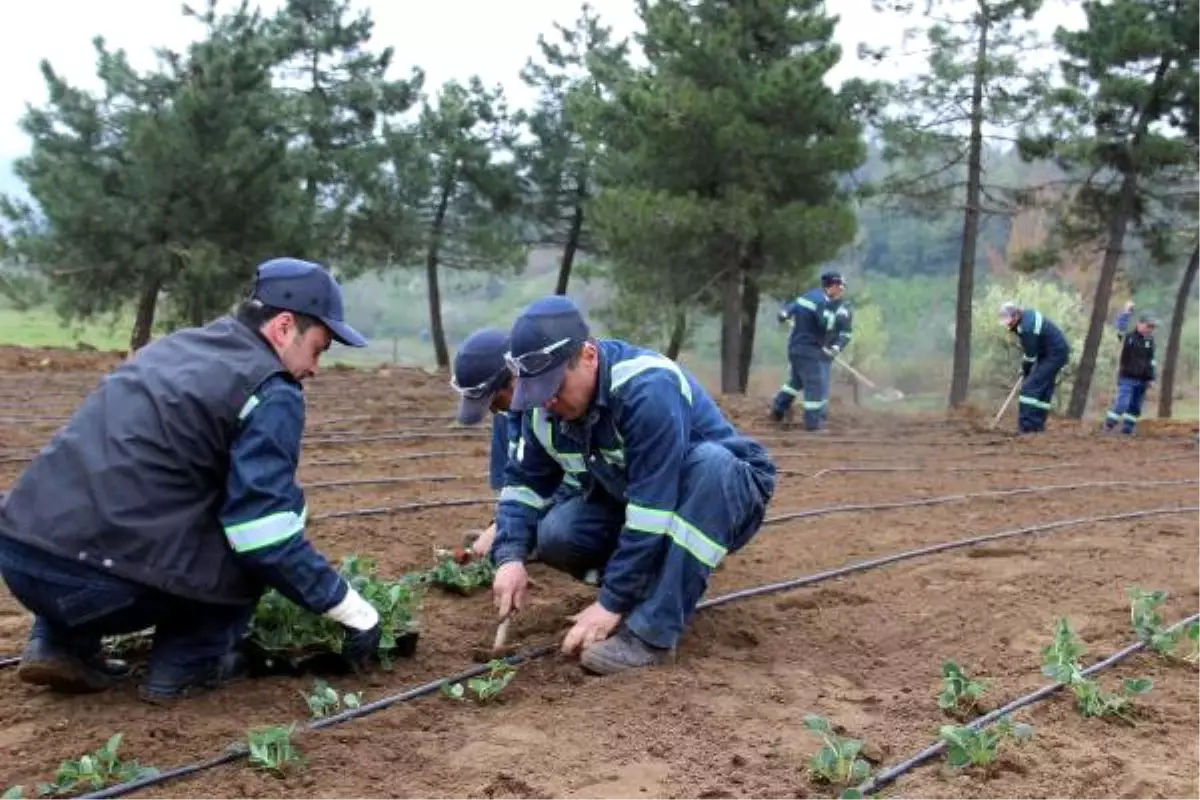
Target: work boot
45,664
623,652
166,684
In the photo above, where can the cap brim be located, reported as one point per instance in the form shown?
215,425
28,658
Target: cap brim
536,390
472,410
344,334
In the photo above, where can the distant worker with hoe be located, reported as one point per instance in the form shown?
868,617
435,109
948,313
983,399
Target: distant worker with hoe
169,500
485,384
820,330
669,486
1046,352
1137,370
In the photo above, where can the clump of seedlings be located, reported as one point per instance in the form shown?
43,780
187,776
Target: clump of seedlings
484,688
960,694
283,630
967,747
271,749
1060,661
464,578
1179,643
837,761
325,700
90,772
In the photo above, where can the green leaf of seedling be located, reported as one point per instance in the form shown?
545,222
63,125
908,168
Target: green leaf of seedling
13,792
860,771
1135,686
816,723
850,794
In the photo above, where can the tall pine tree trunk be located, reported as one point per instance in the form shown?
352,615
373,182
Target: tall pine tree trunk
678,332
750,303
572,243
961,380
1117,223
437,331
1166,389
143,320
731,328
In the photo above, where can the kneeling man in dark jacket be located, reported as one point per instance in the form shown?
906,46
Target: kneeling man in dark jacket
169,500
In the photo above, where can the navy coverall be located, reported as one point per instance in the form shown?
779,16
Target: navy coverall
1045,352
671,487
263,515
818,322
1137,371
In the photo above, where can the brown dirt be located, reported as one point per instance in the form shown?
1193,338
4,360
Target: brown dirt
864,651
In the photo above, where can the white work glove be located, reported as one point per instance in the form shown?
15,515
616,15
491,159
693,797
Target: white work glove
832,351
354,612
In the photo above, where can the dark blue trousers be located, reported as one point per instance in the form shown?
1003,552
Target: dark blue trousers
810,378
1036,394
718,497
1127,408
75,605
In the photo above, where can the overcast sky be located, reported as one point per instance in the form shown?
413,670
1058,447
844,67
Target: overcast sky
447,38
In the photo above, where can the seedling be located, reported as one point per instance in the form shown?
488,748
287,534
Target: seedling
1060,661
462,578
89,773
271,749
960,695
280,626
967,747
325,700
1151,629
484,688
837,761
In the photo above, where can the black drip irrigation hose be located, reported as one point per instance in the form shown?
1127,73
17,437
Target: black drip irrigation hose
376,512
354,462
382,481
458,433
239,750
887,776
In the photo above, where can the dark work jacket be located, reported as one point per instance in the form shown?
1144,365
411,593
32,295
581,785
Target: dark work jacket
134,483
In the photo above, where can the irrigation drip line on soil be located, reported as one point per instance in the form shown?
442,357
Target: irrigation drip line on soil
462,433
354,462
887,776
382,481
239,750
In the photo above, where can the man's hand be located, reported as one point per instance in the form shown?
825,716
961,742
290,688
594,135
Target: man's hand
832,351
509,587
360,648
1026,368
1129,307
594,624
483,545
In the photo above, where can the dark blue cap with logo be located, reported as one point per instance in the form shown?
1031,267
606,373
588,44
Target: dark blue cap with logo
832,278
544,338
479,372
306,288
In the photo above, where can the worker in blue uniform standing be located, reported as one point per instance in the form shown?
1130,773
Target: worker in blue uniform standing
670,486
1045,352
169,500
485,384
1138,369
816,339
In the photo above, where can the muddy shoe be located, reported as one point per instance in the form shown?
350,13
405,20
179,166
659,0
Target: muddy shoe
623,652
44,664
170,683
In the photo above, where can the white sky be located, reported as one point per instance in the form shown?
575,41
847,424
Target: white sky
447,38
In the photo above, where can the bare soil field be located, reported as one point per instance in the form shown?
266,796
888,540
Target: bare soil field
864,651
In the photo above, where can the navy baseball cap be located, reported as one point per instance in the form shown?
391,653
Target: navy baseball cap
544,338
479,372
306,288
832,278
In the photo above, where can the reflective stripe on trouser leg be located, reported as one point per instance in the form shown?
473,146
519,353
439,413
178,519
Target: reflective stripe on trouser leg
1035,396
719,509
788,392
816,390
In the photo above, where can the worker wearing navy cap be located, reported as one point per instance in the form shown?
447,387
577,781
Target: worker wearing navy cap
671,487
485,384
169,500
821,329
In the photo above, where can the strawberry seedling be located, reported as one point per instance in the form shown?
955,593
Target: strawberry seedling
286,632
960,695
484,688
271,749
325,700
1148,624
837,761
462,578
967,747
90,772
1060,661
